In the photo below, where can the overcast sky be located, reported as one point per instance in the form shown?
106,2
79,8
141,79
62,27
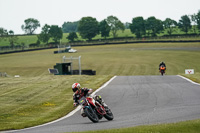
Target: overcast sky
56,12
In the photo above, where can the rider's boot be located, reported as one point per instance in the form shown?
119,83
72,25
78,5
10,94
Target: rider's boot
83,113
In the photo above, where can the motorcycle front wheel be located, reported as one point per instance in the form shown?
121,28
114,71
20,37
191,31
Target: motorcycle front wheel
109,115
162,72
91,115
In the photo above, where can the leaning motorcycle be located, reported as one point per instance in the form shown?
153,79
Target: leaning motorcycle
162,70
94,110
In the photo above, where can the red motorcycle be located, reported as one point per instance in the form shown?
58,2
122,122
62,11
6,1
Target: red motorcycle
94,110
162,69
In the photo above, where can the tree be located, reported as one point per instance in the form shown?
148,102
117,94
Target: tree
198,19
56,33
30,26
138,26
154,26
185,23
11,32
23,45
194,19
69,27
12,38
44,36
72,36
104,28
88,27
169,25
3,33
127,25
115,25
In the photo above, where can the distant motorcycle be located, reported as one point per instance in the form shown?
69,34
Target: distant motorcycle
162,69
94,110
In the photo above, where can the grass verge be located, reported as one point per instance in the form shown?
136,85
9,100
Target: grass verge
180,127
32,101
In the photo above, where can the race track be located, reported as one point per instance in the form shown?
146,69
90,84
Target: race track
137,100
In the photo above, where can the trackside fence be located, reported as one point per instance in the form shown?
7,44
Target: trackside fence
194,38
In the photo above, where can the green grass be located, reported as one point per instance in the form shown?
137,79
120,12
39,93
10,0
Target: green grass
25,39
38,97
29,101
29,39
180,127
194,77
125,59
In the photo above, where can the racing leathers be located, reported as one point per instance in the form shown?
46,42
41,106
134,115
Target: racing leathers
162,64
86,92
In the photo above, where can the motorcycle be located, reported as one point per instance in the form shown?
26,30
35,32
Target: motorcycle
162,69
94,110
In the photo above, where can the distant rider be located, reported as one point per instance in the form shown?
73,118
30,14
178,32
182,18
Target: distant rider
80,92
162,64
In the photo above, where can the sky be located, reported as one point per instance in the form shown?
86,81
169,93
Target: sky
56,12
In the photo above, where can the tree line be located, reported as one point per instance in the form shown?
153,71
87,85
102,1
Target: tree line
89,27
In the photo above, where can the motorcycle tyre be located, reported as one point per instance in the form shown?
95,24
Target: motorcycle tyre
91,115
109,115
162,73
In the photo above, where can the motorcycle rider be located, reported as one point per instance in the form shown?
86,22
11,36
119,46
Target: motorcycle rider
80,92
162,64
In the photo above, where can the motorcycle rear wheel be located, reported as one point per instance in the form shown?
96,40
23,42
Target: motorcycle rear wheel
91,115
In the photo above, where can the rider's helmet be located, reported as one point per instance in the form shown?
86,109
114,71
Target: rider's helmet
162,62
98,98
75,87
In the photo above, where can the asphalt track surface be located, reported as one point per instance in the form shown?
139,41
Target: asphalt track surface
137,100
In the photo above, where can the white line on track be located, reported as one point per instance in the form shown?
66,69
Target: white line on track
188,80
68,115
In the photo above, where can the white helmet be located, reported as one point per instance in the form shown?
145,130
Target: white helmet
76,87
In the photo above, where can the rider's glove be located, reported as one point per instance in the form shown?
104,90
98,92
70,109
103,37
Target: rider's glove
90,91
